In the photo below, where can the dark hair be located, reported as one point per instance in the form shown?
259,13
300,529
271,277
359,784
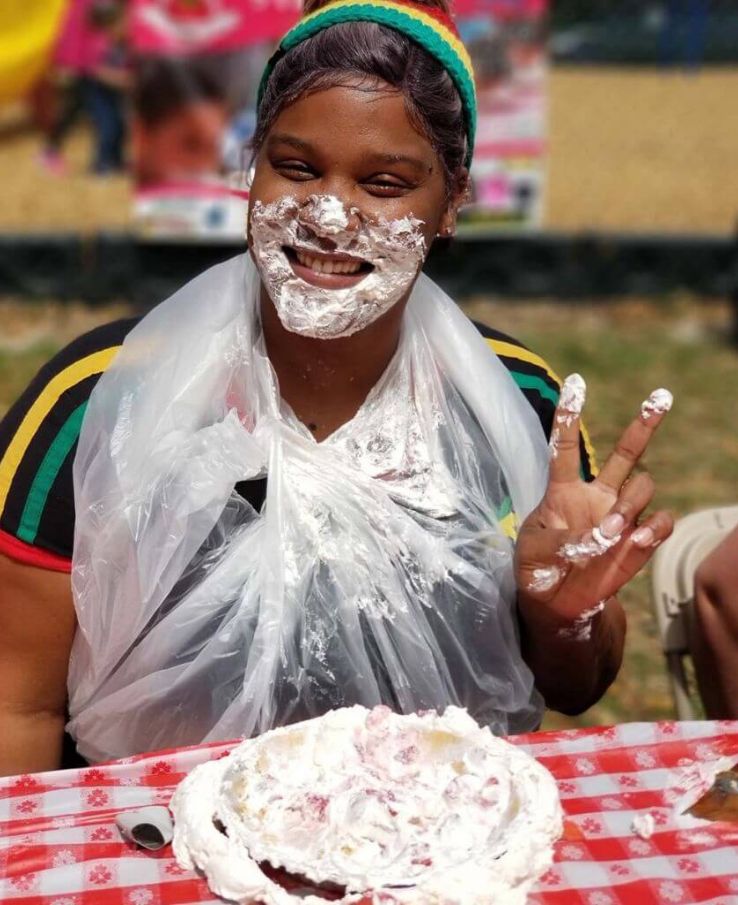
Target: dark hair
364,53
164,86
101,14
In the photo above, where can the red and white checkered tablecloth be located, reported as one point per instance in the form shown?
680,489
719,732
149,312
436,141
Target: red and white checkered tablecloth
59,844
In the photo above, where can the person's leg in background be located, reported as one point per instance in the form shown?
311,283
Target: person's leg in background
70,106
118,137
105,110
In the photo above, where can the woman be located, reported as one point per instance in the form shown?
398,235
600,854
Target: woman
296,486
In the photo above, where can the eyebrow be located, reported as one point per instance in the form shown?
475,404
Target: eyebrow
414,162
292,140
302,145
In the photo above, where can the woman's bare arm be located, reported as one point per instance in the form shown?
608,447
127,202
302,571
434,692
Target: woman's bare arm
714,630
37,624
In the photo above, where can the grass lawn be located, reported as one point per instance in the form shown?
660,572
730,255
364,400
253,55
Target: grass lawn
624,350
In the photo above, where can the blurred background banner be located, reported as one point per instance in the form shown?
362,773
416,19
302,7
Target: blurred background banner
197,69
507,43
198,65
204,26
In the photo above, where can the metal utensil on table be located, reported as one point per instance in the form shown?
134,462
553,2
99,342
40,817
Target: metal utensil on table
150,827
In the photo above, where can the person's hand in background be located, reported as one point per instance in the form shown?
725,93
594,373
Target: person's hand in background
714,629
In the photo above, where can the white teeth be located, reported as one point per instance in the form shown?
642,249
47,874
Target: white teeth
323,265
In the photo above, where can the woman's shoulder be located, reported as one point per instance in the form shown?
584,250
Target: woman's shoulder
38,439
529,370
539,383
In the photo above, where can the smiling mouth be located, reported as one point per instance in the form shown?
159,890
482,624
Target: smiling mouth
332,271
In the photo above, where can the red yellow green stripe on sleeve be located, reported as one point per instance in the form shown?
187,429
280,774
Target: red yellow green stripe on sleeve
528,381
76,372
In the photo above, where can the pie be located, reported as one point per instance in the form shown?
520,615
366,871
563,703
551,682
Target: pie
369,806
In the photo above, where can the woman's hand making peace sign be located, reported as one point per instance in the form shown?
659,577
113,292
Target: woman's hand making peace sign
581,544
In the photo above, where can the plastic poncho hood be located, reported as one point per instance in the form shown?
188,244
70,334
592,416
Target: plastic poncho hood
377,570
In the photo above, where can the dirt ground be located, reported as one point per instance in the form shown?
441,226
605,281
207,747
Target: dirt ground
642,150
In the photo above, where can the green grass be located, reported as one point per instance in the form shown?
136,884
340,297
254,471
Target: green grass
624,351
17,368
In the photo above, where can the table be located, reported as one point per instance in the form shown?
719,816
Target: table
59,844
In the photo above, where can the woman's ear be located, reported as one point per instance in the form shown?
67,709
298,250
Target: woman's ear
460,193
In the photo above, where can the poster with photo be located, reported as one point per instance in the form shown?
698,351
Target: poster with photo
197,70
507,43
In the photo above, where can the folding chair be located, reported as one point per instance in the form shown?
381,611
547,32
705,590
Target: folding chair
672,585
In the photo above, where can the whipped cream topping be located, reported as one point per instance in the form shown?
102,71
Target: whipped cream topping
392,251
581,627
390,439
658,403
594,543
643,825
544,579
572,399
385,808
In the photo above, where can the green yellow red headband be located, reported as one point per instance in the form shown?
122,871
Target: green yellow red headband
433,29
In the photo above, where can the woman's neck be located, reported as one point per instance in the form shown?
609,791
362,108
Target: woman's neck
325,381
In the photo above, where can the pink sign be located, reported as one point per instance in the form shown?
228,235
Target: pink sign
79,45
502,10
206,26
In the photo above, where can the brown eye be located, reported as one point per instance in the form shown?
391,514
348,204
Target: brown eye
387,186
293,169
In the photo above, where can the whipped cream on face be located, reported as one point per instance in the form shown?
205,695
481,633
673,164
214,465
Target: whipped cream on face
395,809
388,252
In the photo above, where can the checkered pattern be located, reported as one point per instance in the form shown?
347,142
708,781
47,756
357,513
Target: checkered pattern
59,844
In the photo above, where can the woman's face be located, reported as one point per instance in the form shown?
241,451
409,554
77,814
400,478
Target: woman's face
345,202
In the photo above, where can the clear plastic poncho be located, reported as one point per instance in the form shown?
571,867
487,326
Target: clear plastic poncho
376,571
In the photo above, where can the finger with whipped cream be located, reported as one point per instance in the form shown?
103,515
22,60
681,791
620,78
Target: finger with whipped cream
564,441
634,440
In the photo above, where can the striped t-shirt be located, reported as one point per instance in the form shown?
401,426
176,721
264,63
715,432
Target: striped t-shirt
38,440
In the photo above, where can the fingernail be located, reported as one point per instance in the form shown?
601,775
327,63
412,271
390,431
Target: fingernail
573,394
612,524
658,403
643,537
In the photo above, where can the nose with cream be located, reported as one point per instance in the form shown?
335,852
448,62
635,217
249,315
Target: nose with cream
329,271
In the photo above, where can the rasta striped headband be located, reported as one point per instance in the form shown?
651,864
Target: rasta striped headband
428,26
